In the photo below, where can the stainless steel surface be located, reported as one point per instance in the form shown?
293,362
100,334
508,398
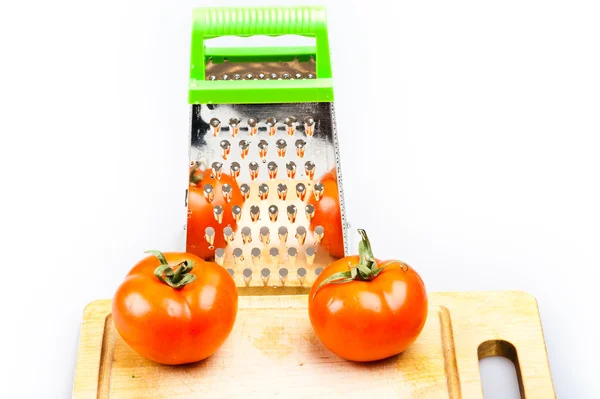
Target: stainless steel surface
309,125
209,235
226,148
273,213
255,252
290,168
263,191
300,144
217,168
283,273
261,70
265,273
319,232
254,213
310,255
252,126
216,126
292,211
226,192
301,275
247,273
245,190
309,169
218,212
253,168
244,148
292,255
290,123
282,232
220,256
310,212
282,148
318,191
235,170
246,235
265,235
274,253
271,125
301,191
234,126
209,192
272,168
228,234
301,235
263,148
282,191
236,210
238,255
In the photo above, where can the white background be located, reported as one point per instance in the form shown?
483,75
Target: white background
488,114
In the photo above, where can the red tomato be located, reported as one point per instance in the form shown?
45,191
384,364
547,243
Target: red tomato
184,318
200,211
329,215
369,314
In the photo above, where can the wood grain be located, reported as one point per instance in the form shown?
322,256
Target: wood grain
273,352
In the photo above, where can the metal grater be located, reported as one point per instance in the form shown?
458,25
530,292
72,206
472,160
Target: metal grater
265,181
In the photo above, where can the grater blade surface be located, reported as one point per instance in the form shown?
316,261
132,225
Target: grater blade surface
265,185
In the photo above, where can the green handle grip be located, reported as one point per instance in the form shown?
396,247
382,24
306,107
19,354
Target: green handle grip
271,21
211,22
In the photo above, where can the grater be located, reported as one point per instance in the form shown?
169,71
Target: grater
265,198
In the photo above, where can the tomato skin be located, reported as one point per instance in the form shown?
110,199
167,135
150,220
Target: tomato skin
175,326
369,320
201,216
328,214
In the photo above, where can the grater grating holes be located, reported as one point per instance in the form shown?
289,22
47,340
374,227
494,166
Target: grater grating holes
247,127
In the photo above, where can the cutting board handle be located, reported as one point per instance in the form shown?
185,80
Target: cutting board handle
506,324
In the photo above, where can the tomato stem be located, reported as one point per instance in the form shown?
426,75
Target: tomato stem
178,278
365,270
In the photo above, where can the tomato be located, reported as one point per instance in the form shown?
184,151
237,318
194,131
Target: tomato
328,214
200,211
364,309
185,317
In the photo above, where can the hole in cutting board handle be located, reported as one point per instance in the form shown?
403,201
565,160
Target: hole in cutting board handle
499,370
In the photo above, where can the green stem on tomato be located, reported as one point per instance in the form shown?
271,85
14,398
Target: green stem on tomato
365,270
175,279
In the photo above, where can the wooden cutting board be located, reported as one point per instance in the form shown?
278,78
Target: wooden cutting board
273,352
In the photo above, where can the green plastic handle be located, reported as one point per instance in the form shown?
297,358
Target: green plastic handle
271,21
211,22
